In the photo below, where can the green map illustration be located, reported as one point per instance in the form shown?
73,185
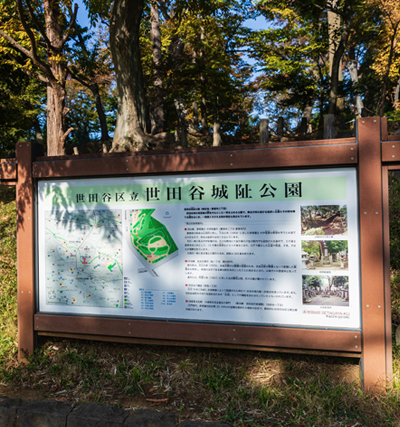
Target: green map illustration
150,237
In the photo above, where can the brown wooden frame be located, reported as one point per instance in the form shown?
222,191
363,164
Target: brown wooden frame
373,152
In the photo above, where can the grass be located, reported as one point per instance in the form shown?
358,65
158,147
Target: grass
242,388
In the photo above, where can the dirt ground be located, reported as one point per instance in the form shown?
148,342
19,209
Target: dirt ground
177,382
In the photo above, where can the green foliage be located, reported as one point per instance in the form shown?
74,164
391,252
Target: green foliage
201,59
314,232
20,106
311,246
8,277
336,246
394,215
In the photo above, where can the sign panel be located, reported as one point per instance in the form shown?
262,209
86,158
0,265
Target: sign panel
267,248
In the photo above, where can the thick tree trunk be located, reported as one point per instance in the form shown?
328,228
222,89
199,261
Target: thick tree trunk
56,110
339,47
55,120
131,123
155,36
334,91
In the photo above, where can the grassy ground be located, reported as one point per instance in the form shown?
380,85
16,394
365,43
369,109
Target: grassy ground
242,388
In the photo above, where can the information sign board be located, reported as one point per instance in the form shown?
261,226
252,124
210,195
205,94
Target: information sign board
264,248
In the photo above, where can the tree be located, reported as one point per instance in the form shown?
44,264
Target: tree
132,112
21,102
387,62
43,25
92,68
202,66
295,56
292,56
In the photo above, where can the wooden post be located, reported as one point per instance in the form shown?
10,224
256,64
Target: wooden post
374,369
264,135
25,249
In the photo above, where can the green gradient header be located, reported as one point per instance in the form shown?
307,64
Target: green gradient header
183,190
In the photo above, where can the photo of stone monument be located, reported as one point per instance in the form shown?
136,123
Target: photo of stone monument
324,255
324,220
325,290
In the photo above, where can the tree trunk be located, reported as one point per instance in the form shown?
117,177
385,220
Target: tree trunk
396,95
155,37
354,79
181,110
56,110
55,120
329,126
195,115
125,49
100,112
203,102
38,131
339,47
279,127
217,140
264,134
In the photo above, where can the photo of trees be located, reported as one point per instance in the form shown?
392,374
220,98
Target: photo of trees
324,220
325,254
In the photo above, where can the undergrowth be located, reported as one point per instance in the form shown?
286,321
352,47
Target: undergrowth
242,388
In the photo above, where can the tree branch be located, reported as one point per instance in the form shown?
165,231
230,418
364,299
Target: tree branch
16,45
27,30
27,72
164,10
78,79
26,52
71,26
37,24
30,54
65,136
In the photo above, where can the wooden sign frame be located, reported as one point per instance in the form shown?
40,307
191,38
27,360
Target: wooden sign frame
372,152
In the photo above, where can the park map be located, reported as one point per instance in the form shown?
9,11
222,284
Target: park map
84,258
150,238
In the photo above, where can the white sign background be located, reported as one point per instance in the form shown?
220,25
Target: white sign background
238,258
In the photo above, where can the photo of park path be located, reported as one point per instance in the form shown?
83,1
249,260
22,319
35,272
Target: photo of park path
325,290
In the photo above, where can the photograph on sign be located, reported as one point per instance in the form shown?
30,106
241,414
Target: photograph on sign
264,248
325,254
324,220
